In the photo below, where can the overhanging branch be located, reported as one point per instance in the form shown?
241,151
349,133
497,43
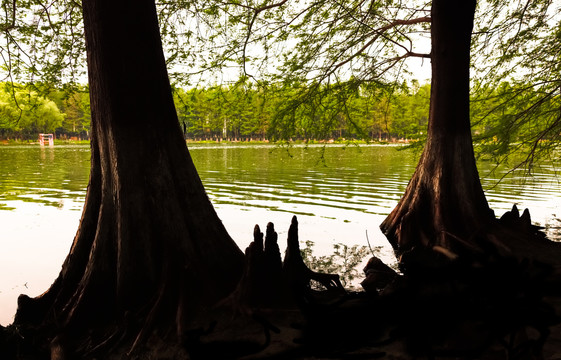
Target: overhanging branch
11,25
380,32
256,12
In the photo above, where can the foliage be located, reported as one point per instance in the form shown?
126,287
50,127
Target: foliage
343,261
313,57
510,117
42,41
517,118
245,110
319,42
518,79
320,54
24,111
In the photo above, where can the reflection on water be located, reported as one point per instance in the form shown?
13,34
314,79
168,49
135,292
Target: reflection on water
366,179
539,191
44,175
340,197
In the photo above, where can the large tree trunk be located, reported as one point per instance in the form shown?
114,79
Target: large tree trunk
150,250
444,201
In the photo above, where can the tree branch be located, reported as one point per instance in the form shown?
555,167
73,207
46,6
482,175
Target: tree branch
12,24
256,12
379,32
270,6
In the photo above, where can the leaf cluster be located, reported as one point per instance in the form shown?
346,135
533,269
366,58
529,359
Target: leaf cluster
517,87
26,110
519,122
23,110
42,41
344,261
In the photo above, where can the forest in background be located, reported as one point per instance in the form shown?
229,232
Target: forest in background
239,112
248,112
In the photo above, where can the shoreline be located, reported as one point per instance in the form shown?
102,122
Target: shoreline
345,142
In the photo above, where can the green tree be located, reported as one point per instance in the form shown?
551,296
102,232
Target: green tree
338,47
444,199
76,107
25,113
418,109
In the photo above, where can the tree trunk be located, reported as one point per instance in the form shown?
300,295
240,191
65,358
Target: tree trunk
444,201
150,246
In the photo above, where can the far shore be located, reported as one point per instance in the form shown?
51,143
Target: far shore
233,142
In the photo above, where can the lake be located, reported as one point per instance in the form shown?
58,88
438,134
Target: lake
340,195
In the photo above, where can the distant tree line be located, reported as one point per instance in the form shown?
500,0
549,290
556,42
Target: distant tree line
249,112
238,112
245,111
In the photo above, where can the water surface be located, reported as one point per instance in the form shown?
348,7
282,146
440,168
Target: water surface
340,195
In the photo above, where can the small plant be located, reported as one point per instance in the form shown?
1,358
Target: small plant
344,261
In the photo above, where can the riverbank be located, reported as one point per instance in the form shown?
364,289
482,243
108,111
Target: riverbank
233,142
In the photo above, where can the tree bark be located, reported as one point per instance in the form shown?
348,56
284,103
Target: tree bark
150,246
444,202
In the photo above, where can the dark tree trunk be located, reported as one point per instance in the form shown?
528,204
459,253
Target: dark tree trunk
448,241
150,246
444,200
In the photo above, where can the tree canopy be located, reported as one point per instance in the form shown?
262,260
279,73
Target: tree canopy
517,74
321,55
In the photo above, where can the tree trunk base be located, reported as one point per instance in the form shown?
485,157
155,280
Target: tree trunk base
502,301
